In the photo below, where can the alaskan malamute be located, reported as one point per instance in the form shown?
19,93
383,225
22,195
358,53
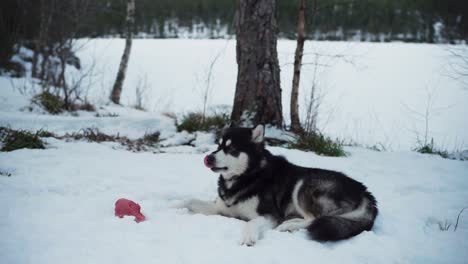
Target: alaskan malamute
269,192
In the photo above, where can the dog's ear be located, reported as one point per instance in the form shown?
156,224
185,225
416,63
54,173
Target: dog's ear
258,133
226,127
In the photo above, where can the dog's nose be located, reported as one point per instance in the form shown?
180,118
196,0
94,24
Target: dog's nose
209,161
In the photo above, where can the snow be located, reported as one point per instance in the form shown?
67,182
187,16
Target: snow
276,133
372,93
58,202
113,119
182,138
58,207
204,139
461,155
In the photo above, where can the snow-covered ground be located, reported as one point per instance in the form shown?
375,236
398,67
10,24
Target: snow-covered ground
58,208
58,202
372,93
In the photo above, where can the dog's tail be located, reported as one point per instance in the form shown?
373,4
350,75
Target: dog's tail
333,228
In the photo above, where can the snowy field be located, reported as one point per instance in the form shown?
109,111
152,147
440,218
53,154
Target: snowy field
58,208
58,202
372,93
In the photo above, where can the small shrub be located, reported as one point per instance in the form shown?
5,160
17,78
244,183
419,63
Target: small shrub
86,106
142,144
319,144
458,218
151,138
431,149
444,226
5,173
93,135
54,104
107,115
51,103
13,140
14,69
136,145
194,122
377,147
45,134
216,122
190,122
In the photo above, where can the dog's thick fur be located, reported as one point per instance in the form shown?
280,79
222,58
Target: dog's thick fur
269,192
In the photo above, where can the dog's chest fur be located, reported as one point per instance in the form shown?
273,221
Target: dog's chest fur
237,202
245,210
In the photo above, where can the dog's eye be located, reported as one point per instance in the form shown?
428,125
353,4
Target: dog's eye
232,150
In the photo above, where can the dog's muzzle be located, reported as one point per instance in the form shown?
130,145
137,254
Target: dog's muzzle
209,161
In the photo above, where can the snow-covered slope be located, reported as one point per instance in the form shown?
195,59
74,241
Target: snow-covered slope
109,119
58,208
371,92
57,205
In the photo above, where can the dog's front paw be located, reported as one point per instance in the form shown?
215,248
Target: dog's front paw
249,240
249,236
190,205
285,227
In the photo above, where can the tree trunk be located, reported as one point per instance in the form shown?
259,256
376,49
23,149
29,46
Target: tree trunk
46,12
34,60
295,122
44,73
258,92
117,89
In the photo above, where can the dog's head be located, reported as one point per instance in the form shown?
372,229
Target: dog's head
239,150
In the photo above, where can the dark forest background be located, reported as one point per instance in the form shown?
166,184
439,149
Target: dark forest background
366,20
430,21
26,22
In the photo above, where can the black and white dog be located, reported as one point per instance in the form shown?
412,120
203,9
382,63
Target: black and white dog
269,192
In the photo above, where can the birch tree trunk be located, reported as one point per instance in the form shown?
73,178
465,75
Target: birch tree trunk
294,111
130,20
258,92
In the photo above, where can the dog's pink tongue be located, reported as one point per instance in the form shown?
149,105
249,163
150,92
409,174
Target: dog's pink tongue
205,160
